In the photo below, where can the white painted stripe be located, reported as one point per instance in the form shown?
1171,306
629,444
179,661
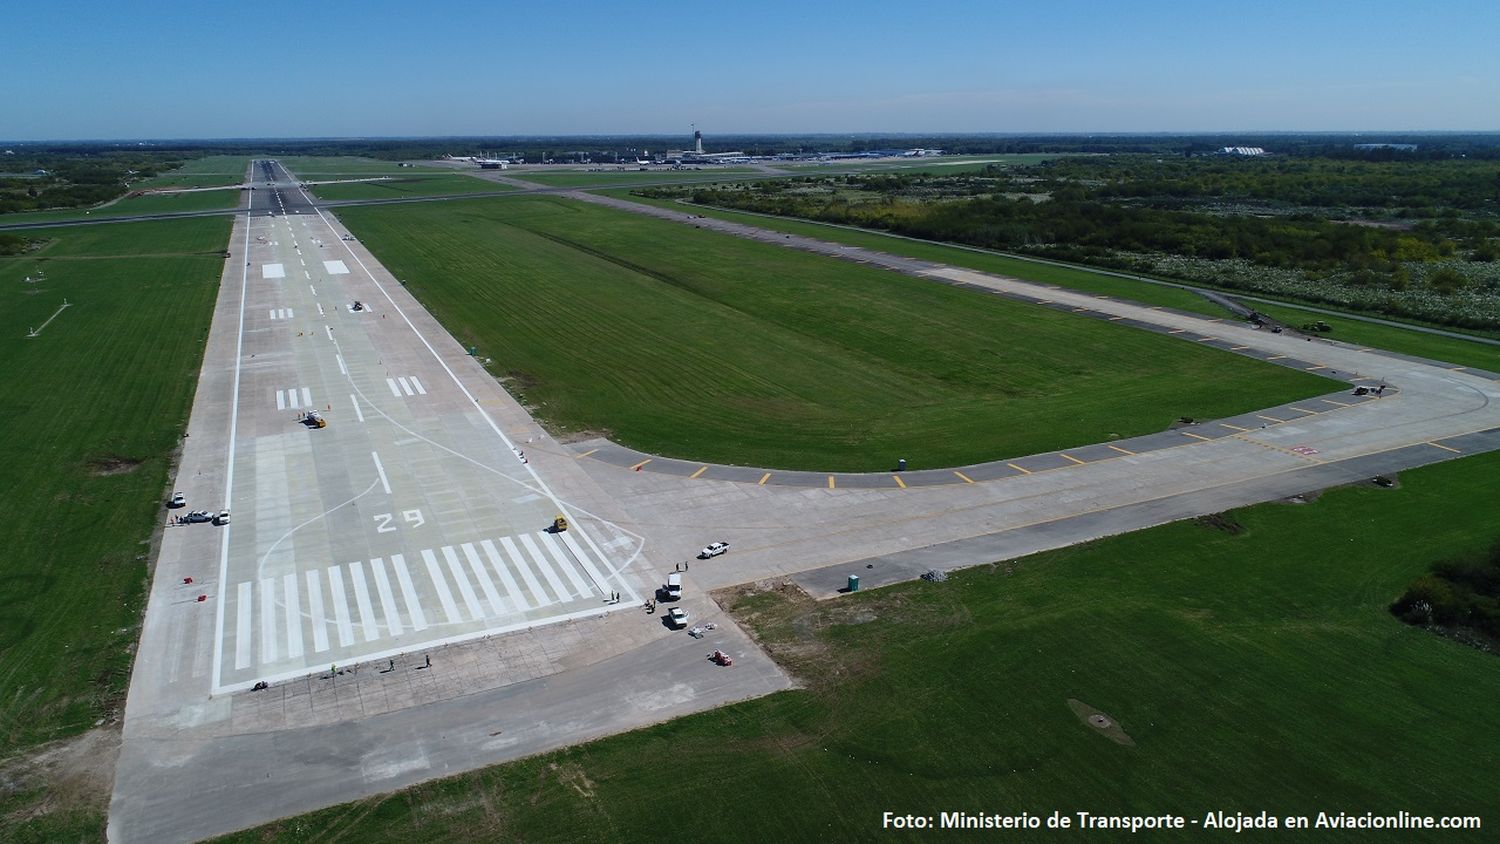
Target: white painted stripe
315,606
267,620
313,289
272,271
242,627
409,594
511,589
380,470
320,309
558,553
273,313
357,412
343,370
340,605
395,391
405,387
417,385
445,597
329,329
488,586
518,561
362,599
291,398
306,397
456,566
281,400
584,558
307,275
387,600
293,616
546,566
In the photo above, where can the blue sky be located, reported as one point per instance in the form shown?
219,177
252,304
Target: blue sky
339,68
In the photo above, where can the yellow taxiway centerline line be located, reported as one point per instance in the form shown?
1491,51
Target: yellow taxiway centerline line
642,463
585,454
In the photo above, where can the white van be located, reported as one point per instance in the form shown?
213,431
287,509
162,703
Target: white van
674,585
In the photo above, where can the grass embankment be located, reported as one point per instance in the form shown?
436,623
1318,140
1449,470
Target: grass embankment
400,187
349,166
1420,343
574,178
91,412
691,343
1071,278
1257,670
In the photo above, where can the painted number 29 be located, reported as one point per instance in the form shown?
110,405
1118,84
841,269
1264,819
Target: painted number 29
411,517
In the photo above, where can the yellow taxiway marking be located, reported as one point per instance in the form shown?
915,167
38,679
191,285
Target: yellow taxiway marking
1339,403
966,479
586,453
1303,410
764,478
1156,308
1275,357
1044,301
1318,366
1075,460
1206,339
1269,418
1195,436
1113,318
642,463
830,482
1123,450
1177,331
1444,447
701,470
1364,350
1237,348
1076,310
1232,427
1457,368
899,482
1020,469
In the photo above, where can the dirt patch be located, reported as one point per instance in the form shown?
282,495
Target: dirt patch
572,775
1100,722
1304,497
105,466
567,437
1222,522
75,774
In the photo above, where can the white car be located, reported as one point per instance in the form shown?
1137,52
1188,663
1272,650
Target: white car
199,516
677,617
178,500
713,549
222,518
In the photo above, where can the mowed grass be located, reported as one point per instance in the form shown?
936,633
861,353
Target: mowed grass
573,179
334,167
400,187
1435,346
1257,671
974,259
203,172
690,343
91,412
210,171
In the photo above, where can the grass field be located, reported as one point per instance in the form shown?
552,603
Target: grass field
1252,671
573,179
691,343
91,412
1437,347
335,167
210,171
1075,279
203,172
398,187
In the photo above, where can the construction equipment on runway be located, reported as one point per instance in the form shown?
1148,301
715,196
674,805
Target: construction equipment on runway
559,524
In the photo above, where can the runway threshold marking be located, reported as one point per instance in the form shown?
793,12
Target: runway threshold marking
764,478
1123,450
1444,447
380,470
585,454
1075,460
701,470
1022,469
965,478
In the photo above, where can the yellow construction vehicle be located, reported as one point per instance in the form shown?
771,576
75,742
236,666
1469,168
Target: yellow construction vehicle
560,523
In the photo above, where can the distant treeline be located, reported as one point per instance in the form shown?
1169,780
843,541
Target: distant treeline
34,179
1460,598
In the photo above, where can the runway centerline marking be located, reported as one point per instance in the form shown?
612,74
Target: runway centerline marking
380,470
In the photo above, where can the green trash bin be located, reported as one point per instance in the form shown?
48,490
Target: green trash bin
853,583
